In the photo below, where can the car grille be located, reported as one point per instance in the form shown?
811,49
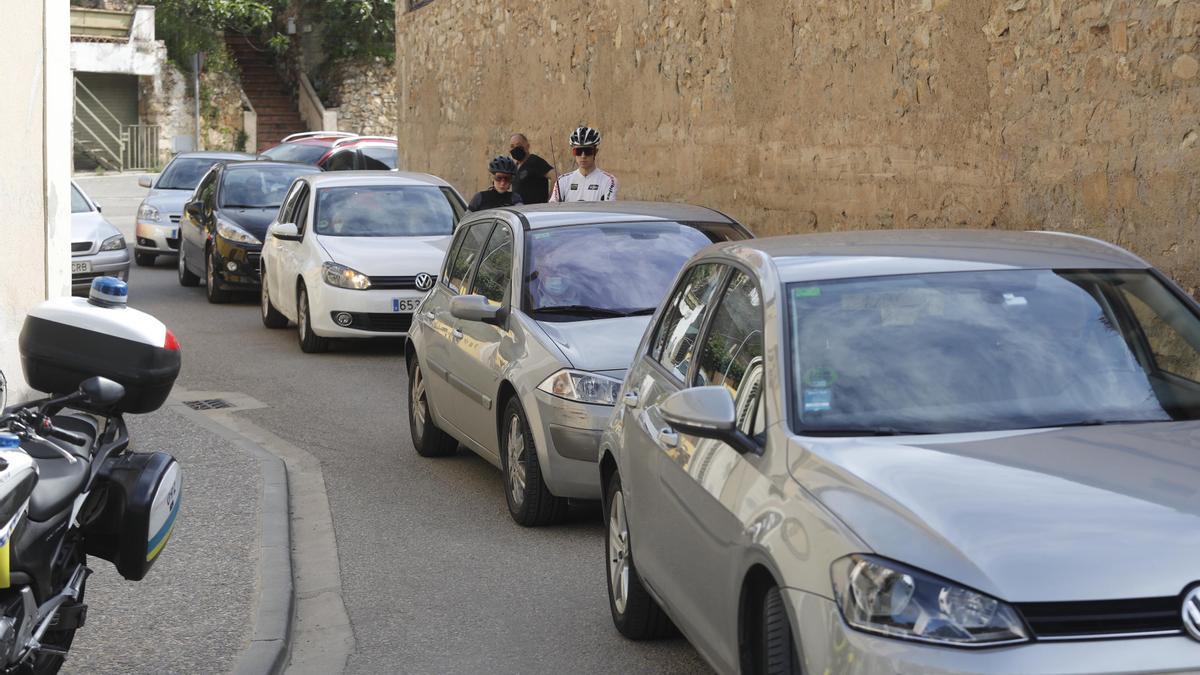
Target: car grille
81,246
378,322
87,277
1100,619
175,219
396,283
173,243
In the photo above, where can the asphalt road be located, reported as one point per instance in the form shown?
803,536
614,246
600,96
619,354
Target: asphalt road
435,575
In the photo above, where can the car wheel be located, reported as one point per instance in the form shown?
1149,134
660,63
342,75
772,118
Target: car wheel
211,282
529,501
186,278
310,342
635,614
776,649
427,438
144,259
271,317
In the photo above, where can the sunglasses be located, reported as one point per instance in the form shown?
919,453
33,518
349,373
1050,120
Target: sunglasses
502,178
583,152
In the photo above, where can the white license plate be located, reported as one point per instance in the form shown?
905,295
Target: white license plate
173,234
77,267
405,305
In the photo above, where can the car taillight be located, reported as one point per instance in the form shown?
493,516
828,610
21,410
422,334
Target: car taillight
171,343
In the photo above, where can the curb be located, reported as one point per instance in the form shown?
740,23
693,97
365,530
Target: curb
271,641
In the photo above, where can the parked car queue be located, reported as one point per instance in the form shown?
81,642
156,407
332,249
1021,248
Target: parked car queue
862,452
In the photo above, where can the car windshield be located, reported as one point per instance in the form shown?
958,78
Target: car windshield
304,153
255,187
78,203
378,157
979,351
383,211
184,173
616,269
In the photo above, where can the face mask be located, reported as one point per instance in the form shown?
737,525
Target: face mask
518,153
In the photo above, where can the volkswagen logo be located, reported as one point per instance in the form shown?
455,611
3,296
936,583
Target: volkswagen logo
423,281
1191,613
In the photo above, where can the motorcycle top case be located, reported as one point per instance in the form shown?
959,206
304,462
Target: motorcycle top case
130,514
68,340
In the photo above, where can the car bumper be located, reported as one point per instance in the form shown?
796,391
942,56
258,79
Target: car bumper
828,645
237,264
570,433
363,314
157,238
103,264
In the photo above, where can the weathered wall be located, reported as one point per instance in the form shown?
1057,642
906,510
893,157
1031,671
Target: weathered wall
801,115
365,96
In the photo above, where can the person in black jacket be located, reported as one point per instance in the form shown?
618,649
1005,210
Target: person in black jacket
500,194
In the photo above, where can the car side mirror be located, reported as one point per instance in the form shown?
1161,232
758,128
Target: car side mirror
707,412
285,232
477,308
145,181
193,209
101,391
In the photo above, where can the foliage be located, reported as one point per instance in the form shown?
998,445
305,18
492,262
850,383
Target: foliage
190,26
355,29
279,44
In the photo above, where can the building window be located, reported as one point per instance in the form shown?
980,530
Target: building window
417,4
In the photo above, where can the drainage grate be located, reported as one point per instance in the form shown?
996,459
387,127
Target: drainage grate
208,404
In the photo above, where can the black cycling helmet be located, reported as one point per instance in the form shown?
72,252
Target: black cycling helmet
585,136
502,164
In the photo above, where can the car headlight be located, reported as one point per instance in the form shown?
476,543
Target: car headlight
345,277
232,232
147,213
576,385
113,243
884,597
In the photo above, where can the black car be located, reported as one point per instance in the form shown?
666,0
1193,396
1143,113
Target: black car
225,220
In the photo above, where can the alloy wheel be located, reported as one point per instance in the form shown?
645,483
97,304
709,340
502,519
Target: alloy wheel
618,552
209,275
516,467
302,315
417,396
265,300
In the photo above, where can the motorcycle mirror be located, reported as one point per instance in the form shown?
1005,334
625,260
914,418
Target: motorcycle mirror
101,391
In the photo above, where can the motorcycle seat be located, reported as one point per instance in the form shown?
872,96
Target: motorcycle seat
59,482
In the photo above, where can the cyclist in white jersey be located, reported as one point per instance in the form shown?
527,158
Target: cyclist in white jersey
587,183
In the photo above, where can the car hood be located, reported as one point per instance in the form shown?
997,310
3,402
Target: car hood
91,226
168,202
600,345
388,256
254,221
1087,513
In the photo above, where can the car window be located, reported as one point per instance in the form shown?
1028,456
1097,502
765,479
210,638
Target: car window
304,153
493,280
455,203
207,188
379,157
343,160
675,338
383,211
1173,336
184,173
287,212
465,253
732,355
258,187
302,202
79,204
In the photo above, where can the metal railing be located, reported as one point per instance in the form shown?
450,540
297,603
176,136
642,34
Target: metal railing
141,148
97,131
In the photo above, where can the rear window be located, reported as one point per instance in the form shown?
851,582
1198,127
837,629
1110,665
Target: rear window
296,152
379,157
184,173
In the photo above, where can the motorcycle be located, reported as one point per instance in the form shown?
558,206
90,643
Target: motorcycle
70,486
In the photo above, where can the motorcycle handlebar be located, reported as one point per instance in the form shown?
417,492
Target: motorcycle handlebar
64,435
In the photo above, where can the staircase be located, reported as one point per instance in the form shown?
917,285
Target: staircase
268,92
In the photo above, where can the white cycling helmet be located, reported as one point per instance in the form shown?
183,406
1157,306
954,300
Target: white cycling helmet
585,136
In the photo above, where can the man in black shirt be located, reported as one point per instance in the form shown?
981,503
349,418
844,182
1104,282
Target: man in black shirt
500,194
534,174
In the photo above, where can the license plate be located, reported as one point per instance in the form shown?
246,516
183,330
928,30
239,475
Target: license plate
173,234
77,267
405,305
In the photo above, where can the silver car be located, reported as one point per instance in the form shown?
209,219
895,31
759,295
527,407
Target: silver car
913,452
159,213
97,247
519,350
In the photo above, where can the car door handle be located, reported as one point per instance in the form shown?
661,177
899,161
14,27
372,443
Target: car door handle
668,438
631,399
457,334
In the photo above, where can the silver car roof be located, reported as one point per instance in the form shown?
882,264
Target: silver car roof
343,178
582,213
213,154
838,255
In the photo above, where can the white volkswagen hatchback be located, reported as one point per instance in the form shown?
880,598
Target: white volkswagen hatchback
351,254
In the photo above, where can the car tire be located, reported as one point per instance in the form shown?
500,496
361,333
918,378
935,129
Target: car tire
634,613
271,317
777,648
212,290
186,278
144,259
310,342
427,438
530,502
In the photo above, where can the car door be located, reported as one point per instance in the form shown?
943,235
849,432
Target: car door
192,233
698,478
661,371
296,256
444,386
273,249
478,354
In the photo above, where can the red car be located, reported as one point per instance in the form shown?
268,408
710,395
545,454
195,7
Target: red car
336,151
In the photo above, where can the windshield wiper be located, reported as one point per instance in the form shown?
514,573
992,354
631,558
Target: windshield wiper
860,431
1097,423
582,310
246,206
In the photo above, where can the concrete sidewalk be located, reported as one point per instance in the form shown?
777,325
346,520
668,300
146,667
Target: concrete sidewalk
195,611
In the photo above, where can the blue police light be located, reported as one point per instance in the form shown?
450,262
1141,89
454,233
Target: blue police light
108,292
9,441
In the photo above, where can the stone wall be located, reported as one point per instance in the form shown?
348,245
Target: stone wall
166,100
365,97
796,116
